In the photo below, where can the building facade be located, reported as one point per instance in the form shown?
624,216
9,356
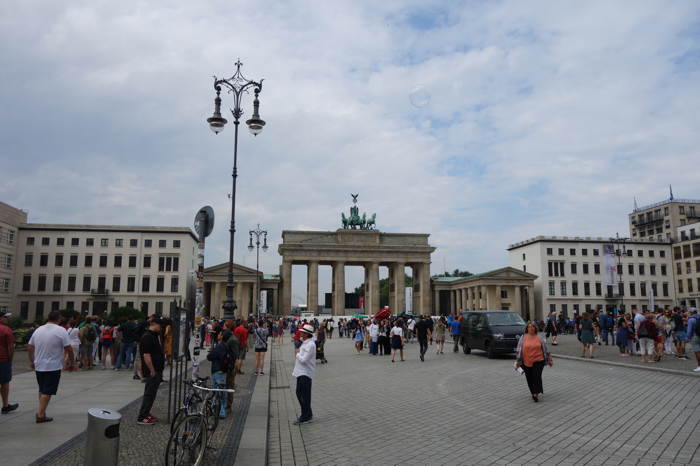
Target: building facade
10,220
247,285
572,277
686,263
96,268
660,221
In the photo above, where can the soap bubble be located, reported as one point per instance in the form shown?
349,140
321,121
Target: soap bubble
419,96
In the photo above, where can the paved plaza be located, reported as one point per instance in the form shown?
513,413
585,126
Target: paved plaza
459,409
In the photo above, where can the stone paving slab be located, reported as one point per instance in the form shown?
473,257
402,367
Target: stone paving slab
468,409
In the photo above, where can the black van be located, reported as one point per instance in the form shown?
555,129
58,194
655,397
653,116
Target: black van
492,331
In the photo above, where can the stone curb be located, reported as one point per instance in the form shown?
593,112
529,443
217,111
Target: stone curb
252,449
629,366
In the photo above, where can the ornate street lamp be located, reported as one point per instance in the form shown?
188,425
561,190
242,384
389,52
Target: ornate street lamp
236,85
620,250
257,233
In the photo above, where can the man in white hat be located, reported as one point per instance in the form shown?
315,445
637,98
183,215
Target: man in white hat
304,369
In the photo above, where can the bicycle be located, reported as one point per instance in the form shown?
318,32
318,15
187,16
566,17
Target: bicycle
191,403
190,436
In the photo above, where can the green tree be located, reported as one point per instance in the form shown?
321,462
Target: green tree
70,314
383,290
455,273
123,313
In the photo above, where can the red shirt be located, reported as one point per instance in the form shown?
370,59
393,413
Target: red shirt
242,334
7,342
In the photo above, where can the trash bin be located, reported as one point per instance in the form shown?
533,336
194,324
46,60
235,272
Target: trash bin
102,437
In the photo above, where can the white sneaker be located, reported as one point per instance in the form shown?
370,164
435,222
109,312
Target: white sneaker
697,369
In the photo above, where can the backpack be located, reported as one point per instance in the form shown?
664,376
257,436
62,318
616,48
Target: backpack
91,334
697,327
229,362
643,331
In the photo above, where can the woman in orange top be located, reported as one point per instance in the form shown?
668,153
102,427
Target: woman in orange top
532,354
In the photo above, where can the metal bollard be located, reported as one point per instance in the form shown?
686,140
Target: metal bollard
102,437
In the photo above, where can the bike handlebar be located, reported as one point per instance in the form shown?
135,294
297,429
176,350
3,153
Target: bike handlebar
227,390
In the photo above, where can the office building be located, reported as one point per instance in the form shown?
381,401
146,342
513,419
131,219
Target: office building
686,263
660,221
10,219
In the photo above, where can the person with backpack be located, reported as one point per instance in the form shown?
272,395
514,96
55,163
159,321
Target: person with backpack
694,334
647,338
88,335
126,348
260,335
221,363
107,343
680,337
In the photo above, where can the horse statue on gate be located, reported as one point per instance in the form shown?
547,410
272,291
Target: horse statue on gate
369,225
354,221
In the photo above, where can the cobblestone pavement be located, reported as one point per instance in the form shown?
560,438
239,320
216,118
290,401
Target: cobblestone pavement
145,445
570,346
467,409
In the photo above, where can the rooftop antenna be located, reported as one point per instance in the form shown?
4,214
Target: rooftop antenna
670,190
636,208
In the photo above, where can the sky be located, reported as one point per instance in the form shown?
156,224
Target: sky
480,123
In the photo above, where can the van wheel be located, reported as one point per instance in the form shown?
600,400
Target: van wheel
490,352
466,348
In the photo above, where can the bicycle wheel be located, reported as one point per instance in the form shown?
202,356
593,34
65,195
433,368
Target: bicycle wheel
192,405
187,443
211,412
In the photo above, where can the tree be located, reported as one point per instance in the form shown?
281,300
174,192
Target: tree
123,313
455,273
70,314
384,289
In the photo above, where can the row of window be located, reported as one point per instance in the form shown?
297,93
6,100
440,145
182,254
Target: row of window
688,267
609,292
649,217
165,263
596,252
6,261
684,251
71,284
4,285
7,236
39,308
104,242
558,269
564,308
689,287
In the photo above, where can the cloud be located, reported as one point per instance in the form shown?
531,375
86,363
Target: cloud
532,118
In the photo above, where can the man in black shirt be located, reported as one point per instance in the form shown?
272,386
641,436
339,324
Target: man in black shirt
152,364
423,332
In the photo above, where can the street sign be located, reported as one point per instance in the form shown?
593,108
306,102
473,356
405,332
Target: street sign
204,221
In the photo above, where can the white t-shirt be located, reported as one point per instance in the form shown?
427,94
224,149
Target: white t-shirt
48,342
398,331
74,335
411,324
374,332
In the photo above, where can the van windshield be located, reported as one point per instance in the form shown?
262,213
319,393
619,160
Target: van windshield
505,318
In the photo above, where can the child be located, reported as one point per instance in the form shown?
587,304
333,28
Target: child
623,338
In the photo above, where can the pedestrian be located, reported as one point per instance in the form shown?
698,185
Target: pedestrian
373,338
358,337
551,328
88,335
440,329
233,346
152,364
260,334
694,332
304,370
220,359
49,351
7,351
107,345
126,348
623,337
680,336
647,334
241,333
455,331
531,355
397,340
320,344
74,335
587,337
423,333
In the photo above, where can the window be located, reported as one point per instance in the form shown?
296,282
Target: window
549,251
677,252
640,253
641,269
524,268
90,242
552,308
71,282
87,283
176,264
58,260
176,244
664,288
662,253
130,304
584,252
45,241
116,283
85,307
551,288
104,242
595,252
117,261
598,289
6,261
556,268
147,243
586,288
651,253
633,290
41,284
573,268
162,243
619,269
652,269
43,260
562,286
28,259
663,269
680,286
145,284
75,241
574,288
30,241
39,315
133,243
681,210
159,308
665,211
103,260
130,285
643,288
147,262
690,285
629,253
585,269
696,249
686,251
73,260
572,252
57,283
101,283
132,261
60,241
560,251
144,308
678,268
630,269
24,310
119,242
160,284
621,289
4,288
26,283
609,291
596,269
88,260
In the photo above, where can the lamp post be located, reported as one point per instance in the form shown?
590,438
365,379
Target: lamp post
237,85
257,233
620,250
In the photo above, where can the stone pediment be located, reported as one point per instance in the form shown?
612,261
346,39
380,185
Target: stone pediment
222,269
507,272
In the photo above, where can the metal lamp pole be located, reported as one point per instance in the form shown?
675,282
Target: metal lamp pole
258,233
237,85
617,241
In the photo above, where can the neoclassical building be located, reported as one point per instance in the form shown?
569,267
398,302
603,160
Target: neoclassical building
246,286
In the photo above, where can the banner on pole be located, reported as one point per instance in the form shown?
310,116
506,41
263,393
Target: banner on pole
609,265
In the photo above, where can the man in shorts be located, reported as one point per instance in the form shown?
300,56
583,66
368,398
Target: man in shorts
7,350
49,351
680,337
241,332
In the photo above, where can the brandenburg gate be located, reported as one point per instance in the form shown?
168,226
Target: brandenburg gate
358,244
